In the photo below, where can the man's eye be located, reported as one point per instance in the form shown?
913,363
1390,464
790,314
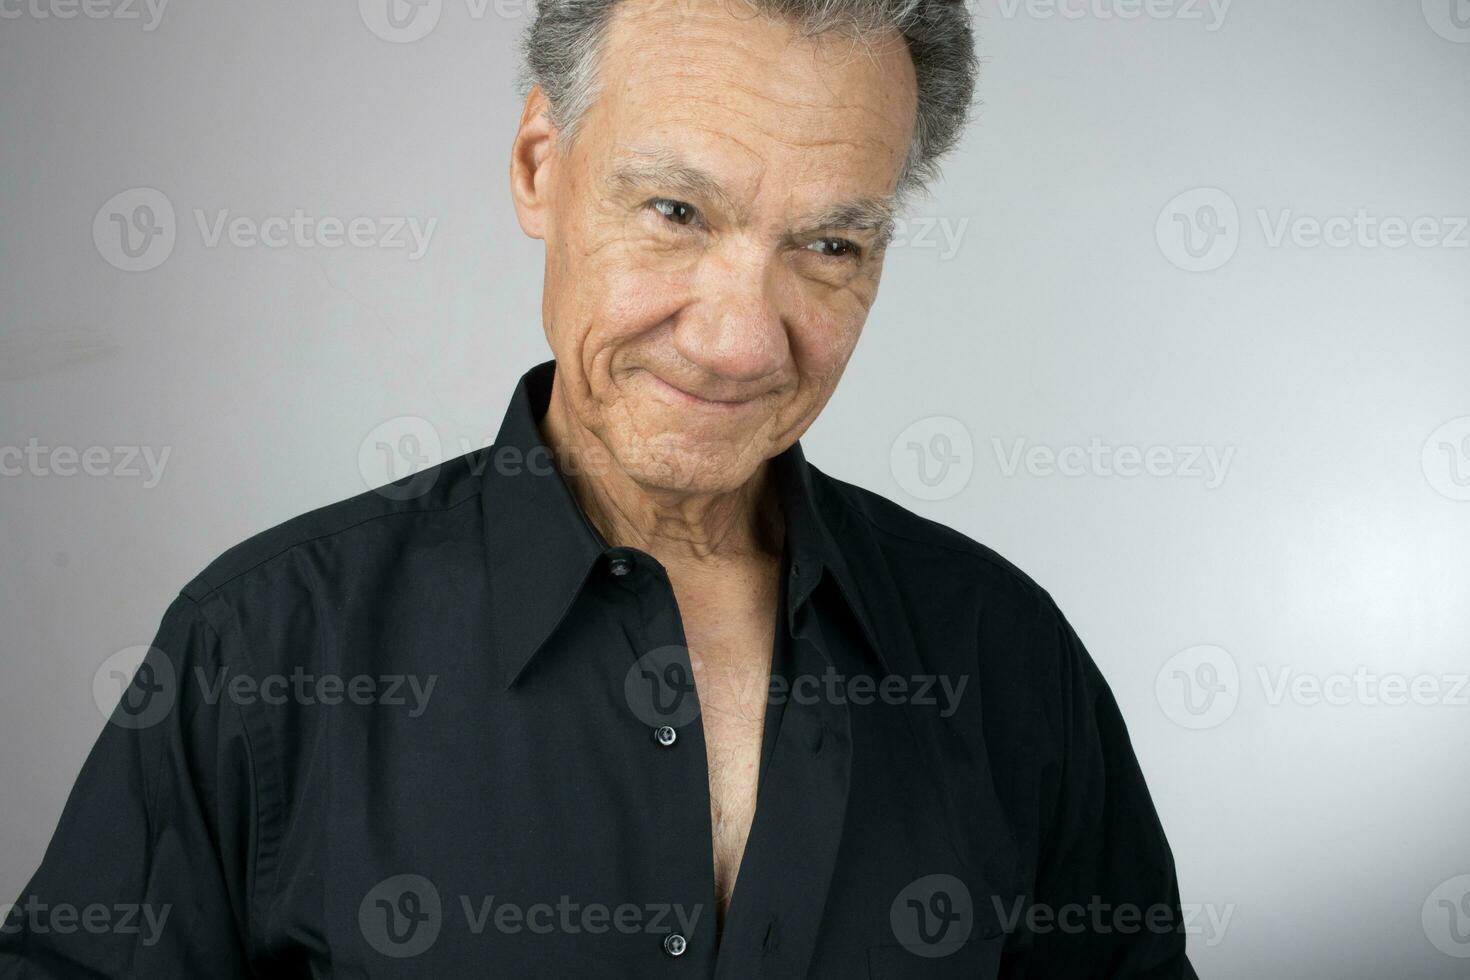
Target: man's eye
676,211
837,248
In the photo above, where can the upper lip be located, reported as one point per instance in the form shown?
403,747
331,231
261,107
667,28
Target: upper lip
703,397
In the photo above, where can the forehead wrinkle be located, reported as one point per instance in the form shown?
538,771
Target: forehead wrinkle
715,82
807,125
802,107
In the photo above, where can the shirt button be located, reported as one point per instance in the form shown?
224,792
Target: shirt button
675,944
619,566
665,736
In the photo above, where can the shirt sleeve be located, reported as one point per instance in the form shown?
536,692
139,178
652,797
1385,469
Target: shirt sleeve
1106,895
146,874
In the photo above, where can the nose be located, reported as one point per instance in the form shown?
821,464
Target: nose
735,332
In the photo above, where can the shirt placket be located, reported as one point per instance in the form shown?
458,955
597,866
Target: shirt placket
781,893
660,691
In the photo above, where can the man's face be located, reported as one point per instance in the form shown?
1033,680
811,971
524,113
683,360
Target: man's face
714,236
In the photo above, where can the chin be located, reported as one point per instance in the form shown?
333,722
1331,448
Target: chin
687,469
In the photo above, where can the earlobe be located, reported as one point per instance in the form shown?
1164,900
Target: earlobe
531,160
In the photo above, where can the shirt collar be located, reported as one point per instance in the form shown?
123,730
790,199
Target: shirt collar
541,548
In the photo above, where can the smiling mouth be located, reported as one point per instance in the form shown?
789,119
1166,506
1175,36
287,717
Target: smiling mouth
685,398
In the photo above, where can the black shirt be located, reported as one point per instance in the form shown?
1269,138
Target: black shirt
440,729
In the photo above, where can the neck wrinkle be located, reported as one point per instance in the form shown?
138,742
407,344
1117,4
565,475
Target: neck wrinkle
675,528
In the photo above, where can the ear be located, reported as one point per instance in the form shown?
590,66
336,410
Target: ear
532,164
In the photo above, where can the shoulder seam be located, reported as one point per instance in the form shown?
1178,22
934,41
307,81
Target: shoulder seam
978,551
214,587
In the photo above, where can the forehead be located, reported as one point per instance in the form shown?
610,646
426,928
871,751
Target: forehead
703,76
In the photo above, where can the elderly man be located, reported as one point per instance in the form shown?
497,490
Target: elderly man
636,691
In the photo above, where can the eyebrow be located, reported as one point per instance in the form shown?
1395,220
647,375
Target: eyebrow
665,168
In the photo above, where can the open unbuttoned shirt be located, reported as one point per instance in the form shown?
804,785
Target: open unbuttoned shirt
442,729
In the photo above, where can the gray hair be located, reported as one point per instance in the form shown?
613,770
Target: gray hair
561,46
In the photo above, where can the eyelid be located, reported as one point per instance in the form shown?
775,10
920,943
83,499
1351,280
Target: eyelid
697,216
855,250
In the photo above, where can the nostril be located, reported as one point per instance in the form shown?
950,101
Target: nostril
737,345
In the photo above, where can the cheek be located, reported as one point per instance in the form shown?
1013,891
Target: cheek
823,338
634,297
610,294
624,308
626,284
821,350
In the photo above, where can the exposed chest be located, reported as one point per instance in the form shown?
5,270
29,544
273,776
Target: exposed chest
732,675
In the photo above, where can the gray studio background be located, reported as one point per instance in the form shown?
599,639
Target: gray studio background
1110,345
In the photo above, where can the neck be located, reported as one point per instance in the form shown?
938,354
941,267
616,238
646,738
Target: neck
676,527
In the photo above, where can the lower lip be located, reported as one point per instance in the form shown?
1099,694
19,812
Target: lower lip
685,398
